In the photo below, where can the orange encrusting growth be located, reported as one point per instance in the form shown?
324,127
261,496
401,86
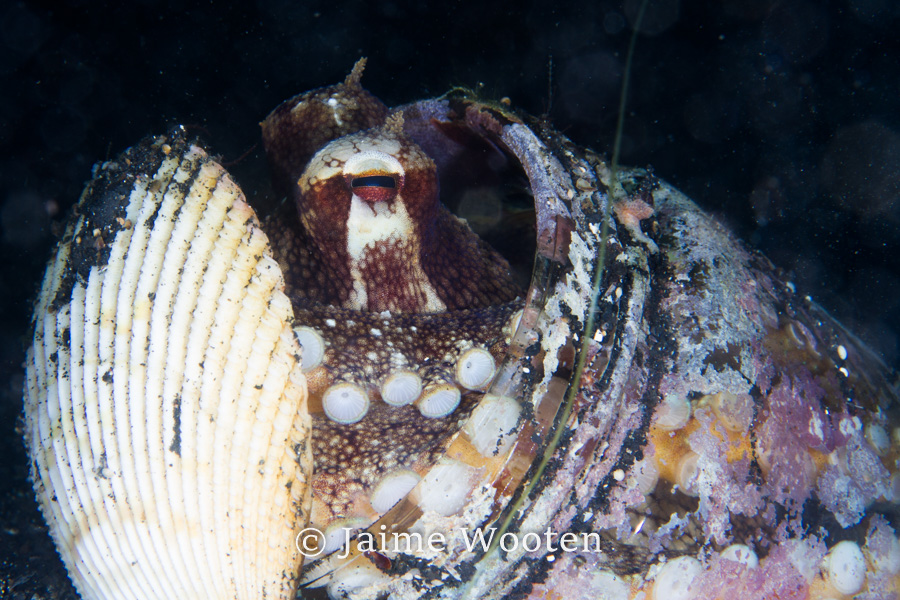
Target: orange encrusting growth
671,446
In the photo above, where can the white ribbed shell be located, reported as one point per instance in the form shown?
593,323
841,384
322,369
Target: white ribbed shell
164,412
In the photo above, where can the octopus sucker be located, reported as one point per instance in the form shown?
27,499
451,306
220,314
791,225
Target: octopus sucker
345,402
353,459
401,387
204,386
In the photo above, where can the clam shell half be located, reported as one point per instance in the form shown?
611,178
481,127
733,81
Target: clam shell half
165,409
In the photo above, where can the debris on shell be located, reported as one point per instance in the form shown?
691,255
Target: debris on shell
164,414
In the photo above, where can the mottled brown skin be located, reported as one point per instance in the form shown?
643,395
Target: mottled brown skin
421,338
436,254
464,272
349,460
299,127
309,281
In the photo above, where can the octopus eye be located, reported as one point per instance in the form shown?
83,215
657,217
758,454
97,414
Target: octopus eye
383,181
374,188
374,176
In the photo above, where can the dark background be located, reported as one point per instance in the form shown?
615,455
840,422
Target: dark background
781,118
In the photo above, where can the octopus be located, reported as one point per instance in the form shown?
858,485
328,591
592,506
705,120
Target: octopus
402,311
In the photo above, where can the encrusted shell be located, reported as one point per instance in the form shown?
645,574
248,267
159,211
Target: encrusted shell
165,410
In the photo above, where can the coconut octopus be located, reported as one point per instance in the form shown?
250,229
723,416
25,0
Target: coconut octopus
401,309
362,382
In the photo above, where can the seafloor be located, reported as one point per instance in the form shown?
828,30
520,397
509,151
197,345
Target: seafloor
781,118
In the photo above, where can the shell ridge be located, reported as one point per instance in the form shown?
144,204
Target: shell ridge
115,427
130,372
181,256
232,328
100,310
223,312
72,409
57,440
250,356
49,434
162,258
205,355
273,393
270,424
192,316
36,385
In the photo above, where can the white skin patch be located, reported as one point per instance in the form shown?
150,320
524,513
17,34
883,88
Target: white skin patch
349,155
368,224
815,427
372,222
334,104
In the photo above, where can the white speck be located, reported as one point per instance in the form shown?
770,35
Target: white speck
618,474
413,328
844,372
878,439
791,287
618,293
331,322
375,332
847,426
842,352
371,355
815,427
334,112
550,558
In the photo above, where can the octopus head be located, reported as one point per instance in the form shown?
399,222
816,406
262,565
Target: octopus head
369,204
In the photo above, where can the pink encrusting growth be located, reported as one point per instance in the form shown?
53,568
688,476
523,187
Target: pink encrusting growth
794,433
783,574
764,459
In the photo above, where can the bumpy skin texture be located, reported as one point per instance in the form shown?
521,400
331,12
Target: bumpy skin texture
299,127
390,279
429,262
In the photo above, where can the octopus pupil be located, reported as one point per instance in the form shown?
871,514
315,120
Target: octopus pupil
385,181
